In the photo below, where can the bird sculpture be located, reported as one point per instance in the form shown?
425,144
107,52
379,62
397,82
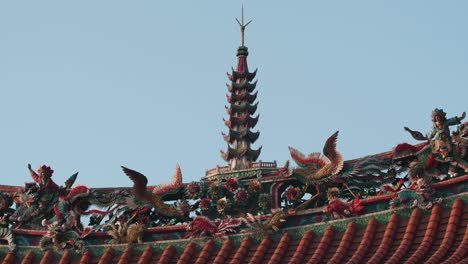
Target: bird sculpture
153,198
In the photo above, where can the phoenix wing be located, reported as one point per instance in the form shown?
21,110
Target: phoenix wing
329,150
139,183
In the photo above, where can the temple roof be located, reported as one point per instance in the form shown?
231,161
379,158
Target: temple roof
392,236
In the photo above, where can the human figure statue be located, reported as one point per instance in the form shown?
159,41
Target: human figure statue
439,135
441,140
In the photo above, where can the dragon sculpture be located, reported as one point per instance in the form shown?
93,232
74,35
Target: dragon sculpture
272,223
420,194
202,226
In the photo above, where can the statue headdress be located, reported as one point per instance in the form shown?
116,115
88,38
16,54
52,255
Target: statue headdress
438,112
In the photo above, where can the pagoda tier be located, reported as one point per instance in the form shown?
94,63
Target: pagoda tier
244,85
250,98
240,153
241,109
237,135
245,120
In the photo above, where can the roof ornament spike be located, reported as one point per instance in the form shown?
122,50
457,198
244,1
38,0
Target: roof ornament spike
242,25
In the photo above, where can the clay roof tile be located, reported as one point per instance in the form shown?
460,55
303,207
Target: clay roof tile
449,236
47,258
461,250
28,258
86,257
408,237
260,251
205,253
9,258
66,257
387,240
107,256
146,256
187,255
302,248
323,246
431,229
365,242
242,251
126,256
167,255
281,249
344,244
224,252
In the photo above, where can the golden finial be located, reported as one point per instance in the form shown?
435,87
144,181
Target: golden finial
242,26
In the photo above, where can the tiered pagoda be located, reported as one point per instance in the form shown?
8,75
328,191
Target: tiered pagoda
405,205
242,96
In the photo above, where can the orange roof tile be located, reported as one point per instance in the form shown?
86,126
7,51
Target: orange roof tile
66,257
302,248
344,244
206,253
366,242
28,258
281,249
187,255
47,258
407,238
460,252
9,258
107,257
261,251
323,246
429,236
86,257
387,241
450,232
241,253
126,256
146,256
167,255
223,253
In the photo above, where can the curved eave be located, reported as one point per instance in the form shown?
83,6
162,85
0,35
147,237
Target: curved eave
239,135
247,97
253,154
245,107
235,75
244,120
242,85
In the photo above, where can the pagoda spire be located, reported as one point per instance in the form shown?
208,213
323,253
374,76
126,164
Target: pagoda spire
242,26
242,107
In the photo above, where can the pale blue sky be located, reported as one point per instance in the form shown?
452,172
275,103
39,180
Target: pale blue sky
92,85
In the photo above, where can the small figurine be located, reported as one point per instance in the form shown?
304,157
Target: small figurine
439,135
338,208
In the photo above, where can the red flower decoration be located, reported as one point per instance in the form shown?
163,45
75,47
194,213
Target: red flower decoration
254,187
292,194
193,190
241,196
205,203
231,184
